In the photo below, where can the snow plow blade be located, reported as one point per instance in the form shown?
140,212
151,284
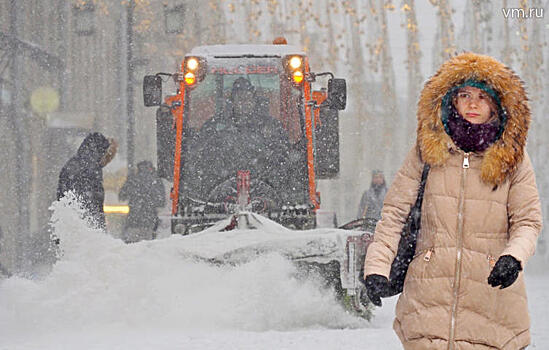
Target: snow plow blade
331,255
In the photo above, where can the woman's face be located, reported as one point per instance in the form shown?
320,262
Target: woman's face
474,105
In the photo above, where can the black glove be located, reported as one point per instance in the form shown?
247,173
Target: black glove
505,272
376,285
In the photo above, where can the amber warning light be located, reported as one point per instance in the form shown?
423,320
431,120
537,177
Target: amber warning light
190,78
298,77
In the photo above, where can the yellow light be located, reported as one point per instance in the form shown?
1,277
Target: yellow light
190,78
192,63
295,62
116,209
298,77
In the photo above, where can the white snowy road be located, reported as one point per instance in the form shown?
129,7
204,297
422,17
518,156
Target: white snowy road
377,335
104,294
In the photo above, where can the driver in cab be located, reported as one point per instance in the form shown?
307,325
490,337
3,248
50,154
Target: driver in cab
246,138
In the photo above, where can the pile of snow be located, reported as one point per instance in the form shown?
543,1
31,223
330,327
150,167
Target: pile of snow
99,281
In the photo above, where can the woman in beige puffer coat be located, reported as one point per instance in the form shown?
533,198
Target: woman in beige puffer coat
480,215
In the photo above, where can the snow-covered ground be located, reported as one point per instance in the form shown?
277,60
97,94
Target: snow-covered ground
103,294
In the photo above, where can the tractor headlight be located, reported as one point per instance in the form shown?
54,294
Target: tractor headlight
194,70
192,63
295,62
294,65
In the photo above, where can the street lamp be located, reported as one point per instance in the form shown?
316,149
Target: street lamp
84,19
173,19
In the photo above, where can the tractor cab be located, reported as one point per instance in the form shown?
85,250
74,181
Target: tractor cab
245,131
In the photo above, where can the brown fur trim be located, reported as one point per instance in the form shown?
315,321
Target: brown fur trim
501,158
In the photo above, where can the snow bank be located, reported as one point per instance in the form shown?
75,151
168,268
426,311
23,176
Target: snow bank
99,281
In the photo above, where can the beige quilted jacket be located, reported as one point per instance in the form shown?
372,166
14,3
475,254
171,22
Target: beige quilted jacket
476,208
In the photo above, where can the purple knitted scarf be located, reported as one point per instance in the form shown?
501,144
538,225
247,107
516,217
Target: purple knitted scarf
472,137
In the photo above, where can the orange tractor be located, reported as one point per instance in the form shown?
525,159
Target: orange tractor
246,132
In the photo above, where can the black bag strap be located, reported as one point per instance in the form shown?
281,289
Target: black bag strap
414,218
408,241
424,175
419,201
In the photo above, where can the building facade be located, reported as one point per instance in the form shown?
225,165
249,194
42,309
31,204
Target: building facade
68,67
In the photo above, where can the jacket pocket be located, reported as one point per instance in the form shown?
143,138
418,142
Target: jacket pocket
421,261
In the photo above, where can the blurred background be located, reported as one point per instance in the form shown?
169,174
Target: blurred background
71,66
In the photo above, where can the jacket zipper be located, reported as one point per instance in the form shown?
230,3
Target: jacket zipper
459,246
426,254
491,261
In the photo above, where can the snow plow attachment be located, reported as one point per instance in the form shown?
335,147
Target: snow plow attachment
352,273
330,255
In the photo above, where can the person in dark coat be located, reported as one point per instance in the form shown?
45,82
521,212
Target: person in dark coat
145,192
83,175
371,202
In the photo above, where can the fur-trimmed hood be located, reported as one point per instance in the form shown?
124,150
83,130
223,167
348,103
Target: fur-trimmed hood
435,145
